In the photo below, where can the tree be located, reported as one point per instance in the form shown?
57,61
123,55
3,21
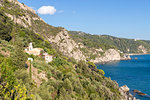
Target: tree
5,27
19,57
67,85
13,34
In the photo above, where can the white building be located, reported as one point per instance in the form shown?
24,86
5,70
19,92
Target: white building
48,58
38,52
35,51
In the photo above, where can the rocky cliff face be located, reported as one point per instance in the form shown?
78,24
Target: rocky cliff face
70,48
142,49
21,20
25,15
109,55
66,45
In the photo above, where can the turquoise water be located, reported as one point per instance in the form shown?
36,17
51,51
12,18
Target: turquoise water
133,73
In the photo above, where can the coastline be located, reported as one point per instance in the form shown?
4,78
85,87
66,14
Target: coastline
123,58
134,54
140,94
125,91
104,62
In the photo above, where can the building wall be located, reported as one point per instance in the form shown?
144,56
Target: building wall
48,58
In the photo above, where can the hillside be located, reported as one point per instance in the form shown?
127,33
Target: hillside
147,41
106,41
67,77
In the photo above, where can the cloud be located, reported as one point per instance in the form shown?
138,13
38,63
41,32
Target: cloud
47,10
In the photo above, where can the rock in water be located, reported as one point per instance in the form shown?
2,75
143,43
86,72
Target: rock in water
139,93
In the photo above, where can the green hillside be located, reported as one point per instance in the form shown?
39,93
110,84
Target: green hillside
147,41
62,79
105,42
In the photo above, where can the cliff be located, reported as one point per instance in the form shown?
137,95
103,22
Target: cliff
71,49
109,55
66,45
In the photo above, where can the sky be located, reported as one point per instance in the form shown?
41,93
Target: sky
121,18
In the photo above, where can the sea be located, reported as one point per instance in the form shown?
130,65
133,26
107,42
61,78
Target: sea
134,73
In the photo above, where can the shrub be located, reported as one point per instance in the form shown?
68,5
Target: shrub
67,85
22,74
44,93
101,72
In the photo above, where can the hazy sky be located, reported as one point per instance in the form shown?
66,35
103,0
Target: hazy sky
121,18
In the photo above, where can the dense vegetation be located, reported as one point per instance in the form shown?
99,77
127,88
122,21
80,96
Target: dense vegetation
65,79
105,42
147,41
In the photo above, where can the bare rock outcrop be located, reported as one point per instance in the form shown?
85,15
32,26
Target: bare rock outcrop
20,20
66,45
27,18
142,48
109,55
126,95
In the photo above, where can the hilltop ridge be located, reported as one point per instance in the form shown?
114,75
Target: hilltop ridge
22,6
124,45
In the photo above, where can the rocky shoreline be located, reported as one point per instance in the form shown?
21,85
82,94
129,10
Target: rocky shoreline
127,57
126,95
